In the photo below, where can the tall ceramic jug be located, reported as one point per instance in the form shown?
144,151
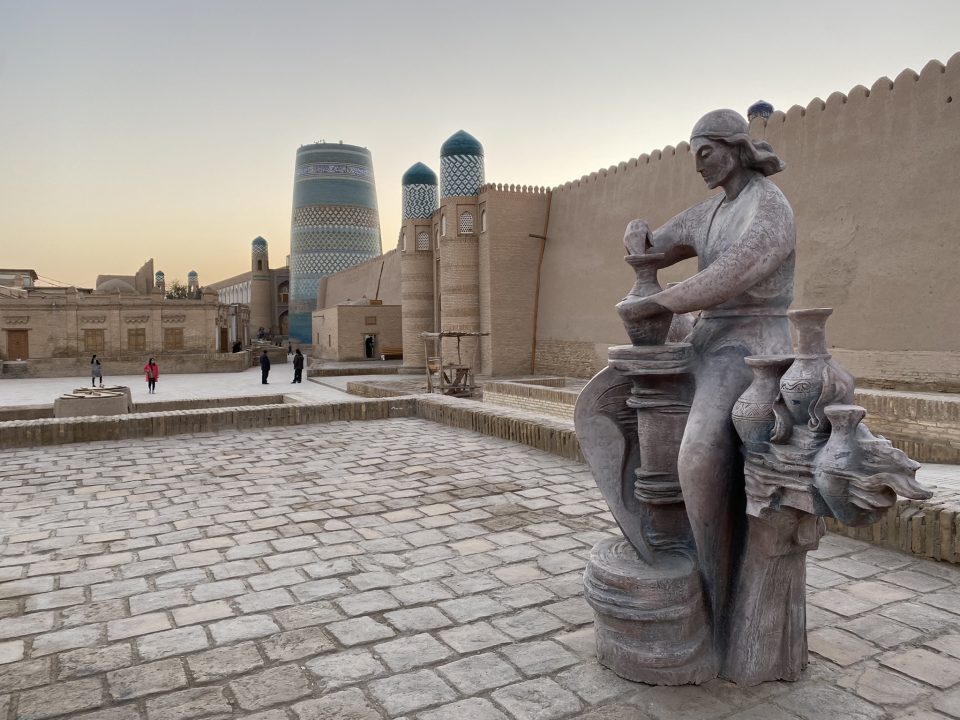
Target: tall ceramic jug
650,330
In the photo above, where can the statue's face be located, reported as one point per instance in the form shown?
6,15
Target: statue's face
715,161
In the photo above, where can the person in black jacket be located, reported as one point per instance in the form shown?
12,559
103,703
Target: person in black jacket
298,366
264,366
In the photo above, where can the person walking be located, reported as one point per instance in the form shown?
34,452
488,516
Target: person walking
152,372
96,371
264,367
298,366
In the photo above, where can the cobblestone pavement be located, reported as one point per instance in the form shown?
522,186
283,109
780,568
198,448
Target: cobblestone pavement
388,569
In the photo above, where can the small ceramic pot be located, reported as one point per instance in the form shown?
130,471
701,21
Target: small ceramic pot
752,414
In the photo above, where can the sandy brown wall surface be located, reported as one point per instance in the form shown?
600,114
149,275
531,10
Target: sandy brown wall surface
873,177
364,280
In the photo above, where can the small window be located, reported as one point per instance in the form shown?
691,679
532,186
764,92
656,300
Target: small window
465,223
403,241
483,221
423,240
329,340
370,320
443,224
259,264
137,339
93,341
173,338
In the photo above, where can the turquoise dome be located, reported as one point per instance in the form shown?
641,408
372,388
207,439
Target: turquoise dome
461,143
419,174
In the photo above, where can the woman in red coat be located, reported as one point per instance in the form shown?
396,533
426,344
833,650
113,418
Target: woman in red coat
152,371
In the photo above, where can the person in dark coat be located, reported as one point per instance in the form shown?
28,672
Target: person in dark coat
298,366
264,367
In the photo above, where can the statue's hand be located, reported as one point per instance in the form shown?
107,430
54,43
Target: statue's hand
636,240
633,308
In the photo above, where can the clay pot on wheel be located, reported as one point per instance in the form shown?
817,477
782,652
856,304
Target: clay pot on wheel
649,330
752,414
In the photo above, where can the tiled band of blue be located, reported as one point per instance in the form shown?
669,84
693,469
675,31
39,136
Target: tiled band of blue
335,223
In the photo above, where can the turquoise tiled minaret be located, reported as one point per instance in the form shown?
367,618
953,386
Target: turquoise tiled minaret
461,165
335,223
419,192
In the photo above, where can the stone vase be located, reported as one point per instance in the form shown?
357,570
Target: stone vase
650,330
753,415
837,461
802,383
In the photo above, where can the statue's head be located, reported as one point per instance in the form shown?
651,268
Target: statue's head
721,144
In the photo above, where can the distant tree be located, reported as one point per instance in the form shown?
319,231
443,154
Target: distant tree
176,290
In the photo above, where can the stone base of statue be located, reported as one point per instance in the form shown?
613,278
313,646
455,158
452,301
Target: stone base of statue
650,623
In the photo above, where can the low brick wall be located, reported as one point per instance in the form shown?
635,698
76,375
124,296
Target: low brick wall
546,396
926,426
26,433
368,390
210,403
341,371
552,436
927,529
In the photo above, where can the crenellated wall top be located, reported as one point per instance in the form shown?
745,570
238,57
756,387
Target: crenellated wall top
797,114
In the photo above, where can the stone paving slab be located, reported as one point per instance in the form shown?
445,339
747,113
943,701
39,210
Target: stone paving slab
386,569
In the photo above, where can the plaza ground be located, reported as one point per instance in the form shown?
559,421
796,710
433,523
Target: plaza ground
386,569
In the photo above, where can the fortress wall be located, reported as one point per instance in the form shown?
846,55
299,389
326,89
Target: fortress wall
873,178
509,260
361,280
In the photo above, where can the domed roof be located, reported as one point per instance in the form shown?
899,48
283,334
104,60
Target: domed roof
159,274
419,174
259,242
117,285
461,143
761,108
192,273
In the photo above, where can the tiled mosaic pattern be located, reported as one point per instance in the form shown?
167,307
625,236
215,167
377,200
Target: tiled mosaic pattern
322,169
419,201
461,175
326,239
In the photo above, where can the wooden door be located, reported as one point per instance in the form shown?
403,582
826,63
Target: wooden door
224,340
17,346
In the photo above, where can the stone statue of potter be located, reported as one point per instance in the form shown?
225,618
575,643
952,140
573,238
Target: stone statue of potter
719,456
744,240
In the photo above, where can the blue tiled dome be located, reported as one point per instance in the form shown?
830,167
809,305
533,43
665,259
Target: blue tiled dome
419,174
259,242
760,108
461,143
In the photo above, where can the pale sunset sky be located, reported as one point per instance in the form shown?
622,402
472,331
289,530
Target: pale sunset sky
168,129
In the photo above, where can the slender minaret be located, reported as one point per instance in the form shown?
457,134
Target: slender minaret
193,284
416,262
160,282
260,311
457,279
